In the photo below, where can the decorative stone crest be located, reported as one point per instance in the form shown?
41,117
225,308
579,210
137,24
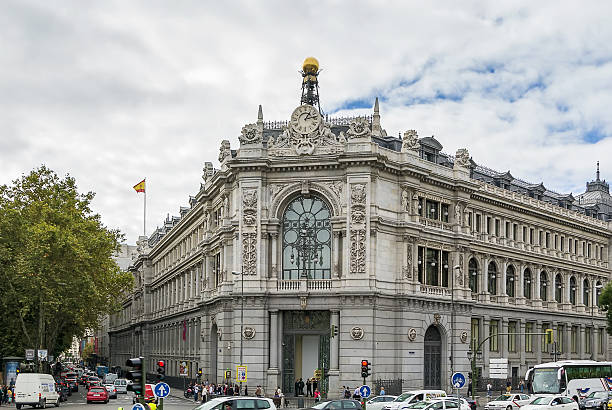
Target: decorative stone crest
437,318
462,158
357,333
410,142
251,134
412,334
274,189
463,337
225,150
303,302
359,127
248,332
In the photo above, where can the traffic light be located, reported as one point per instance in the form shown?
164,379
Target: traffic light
161,370
365,368
136,375
549,336
334,331
200,372
17,371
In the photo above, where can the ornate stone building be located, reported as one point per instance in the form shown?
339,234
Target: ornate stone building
410,252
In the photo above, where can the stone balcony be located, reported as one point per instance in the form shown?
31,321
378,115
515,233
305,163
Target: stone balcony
304,285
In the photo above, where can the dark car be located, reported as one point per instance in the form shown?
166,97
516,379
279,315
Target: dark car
337,404
73,385
471,402
62,390
595,400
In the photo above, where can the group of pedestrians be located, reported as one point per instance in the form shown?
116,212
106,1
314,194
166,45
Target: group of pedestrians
312,388
7,394
204,391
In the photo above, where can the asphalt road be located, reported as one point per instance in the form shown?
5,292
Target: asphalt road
78,401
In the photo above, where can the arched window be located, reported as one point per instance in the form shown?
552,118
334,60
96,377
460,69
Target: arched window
585,292
473,272
527,283
307,239
558,288
543,286
492,284
510,281
598,287
572,295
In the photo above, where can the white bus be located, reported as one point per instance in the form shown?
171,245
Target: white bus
573,378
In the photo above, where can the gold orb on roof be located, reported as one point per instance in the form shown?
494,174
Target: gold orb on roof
311,65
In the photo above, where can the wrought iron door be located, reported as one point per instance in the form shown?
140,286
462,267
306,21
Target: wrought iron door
432,359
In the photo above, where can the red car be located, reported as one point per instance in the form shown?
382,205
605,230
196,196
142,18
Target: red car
97,393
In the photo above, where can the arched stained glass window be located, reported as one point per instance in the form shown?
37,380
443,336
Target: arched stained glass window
307,239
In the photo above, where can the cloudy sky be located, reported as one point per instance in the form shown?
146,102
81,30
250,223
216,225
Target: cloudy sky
112,92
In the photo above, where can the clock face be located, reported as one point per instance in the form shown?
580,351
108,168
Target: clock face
305,119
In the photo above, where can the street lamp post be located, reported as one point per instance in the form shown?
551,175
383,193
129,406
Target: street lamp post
241,273
593,302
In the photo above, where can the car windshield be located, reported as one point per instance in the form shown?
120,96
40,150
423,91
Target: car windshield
598,395
541,401
419,405
504,397
403,396
546,381
320,405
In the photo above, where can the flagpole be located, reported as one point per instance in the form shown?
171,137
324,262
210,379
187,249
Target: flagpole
144,223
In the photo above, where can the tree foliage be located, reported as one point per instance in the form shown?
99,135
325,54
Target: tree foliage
56,268
605,302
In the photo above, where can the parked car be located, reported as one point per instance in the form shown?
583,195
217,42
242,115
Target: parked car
237,402
441,404
35,389
97,393
337,404
471,402
508,402
112,391
595,400
378,402
121,385
551,403
413,396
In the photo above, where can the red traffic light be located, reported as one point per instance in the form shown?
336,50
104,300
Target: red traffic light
161,363
364,363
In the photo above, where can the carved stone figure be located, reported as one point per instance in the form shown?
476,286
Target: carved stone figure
226,206
437,318
462,158
359,127
410,142
208,171
405,200
415,204
225,150
458,218
463,337
358,251
250,134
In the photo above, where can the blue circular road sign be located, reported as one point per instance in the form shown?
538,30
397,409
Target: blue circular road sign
138,406
458,380
365,391
161,390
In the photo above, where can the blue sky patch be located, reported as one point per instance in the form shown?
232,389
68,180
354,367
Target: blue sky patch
594,135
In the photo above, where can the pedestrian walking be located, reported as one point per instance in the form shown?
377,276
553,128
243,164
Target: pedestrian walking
196,389
382,391
317,395
489,391
308,387
521,386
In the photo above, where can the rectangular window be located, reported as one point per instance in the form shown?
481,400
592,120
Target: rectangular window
489,227
515,232
444,268
497,227
589,251
560,338
217,269
528,337
587,344
556,242
547,240
445,213
512,336
524,234
545,346
433,209
600,340
531,236
420,262
477,222
421,206
475,333
493,330
563,244
432,267
574,340
570,242
541,238
508,233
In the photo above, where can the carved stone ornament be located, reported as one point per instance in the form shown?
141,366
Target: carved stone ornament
463,337
303,302
202,335
462,158
410,142
306,134
249,253
225,150
412,334
437,318
359,127
250,134
208,170
220,333
358,251
357,333
358,229
249,207
248,332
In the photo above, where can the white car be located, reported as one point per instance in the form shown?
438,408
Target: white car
112,391
551,403
378,402
238,402
508,402
438,404
405,399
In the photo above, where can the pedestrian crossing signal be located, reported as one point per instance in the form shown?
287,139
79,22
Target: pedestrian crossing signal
334,331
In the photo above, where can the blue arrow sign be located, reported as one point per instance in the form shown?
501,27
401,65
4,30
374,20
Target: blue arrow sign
458,380
138,406
365,391
161,390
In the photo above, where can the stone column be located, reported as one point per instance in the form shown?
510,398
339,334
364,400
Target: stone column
484,279
537,340
334,353
336,255
503,339
582,338
520,342
486,320
274,339
274,256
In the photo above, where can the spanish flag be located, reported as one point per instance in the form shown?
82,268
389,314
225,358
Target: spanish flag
140,187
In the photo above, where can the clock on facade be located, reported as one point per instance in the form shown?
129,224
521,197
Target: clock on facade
305,119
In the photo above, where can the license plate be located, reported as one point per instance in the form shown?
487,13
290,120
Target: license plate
96,395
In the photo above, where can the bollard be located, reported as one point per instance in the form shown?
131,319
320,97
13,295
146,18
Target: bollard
300,403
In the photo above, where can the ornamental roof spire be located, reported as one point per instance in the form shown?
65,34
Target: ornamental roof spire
310,83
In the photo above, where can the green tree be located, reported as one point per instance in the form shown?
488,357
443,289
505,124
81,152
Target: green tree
605,302
87,351
57,275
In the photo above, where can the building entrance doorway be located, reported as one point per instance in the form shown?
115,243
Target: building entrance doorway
305,347
432,358
213,354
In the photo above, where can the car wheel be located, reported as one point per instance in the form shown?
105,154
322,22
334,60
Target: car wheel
57,403
509,408
18,406
43,404
88,402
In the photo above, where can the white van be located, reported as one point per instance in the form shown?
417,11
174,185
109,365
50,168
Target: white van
109,378
121,385
414,396
35,389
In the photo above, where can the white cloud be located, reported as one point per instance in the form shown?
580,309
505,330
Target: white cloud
112,92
